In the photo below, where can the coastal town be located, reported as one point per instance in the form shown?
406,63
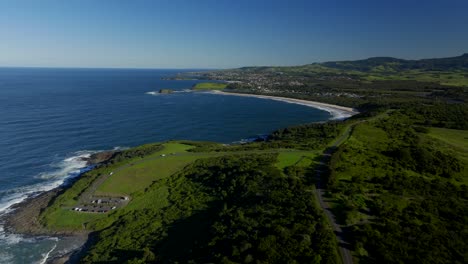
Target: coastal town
301,83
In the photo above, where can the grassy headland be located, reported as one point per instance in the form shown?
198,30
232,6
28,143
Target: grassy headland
177,186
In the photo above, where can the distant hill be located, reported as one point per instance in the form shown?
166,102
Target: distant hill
394,64
451,71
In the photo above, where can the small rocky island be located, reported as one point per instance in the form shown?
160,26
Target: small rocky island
166,91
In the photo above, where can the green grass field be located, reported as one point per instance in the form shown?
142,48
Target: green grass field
297,158
131,177
457,138
66,219
381,73
141,175
209,86
137,176
363,135
445,78
456,142
172,147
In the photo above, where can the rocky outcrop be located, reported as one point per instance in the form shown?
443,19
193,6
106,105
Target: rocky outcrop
166,91
24,218
100,157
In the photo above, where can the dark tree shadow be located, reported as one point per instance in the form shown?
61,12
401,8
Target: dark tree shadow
188,238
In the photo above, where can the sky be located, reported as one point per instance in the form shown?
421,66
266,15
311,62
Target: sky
225,33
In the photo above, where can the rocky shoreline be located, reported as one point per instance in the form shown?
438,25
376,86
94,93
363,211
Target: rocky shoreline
100,157
23,217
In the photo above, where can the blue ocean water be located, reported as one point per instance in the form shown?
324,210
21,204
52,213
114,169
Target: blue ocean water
51,117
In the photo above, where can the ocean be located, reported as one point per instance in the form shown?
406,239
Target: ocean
49,118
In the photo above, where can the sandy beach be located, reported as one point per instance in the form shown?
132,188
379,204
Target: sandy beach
338,112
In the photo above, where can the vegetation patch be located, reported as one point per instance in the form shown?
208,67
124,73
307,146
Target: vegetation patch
297,158
209,86
223,210
400,193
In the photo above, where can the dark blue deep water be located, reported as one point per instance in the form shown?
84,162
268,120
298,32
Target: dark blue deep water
50,117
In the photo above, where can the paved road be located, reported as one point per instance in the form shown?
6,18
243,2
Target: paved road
320,196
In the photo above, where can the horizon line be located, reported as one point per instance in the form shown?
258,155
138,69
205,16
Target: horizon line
103,68
217,68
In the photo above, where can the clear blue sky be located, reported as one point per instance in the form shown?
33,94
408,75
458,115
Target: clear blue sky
223,34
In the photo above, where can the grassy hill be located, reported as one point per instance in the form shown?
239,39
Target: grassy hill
181,195
397,65
449,71
446,71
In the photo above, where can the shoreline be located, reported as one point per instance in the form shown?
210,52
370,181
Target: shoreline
338,112
22,218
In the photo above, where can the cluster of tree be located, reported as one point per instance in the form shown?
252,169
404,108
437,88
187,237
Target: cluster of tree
402,201
407,150
398,65
446,115
426,160
430,228
232,209
309,136
455,94
138,152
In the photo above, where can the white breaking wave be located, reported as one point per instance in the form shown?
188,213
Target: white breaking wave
46,256
183,91
68,167
6,257
118,148
13,239
61,171
17,195
173,91
251,139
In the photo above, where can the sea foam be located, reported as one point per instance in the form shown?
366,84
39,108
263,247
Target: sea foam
60,172
70,167
173,91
